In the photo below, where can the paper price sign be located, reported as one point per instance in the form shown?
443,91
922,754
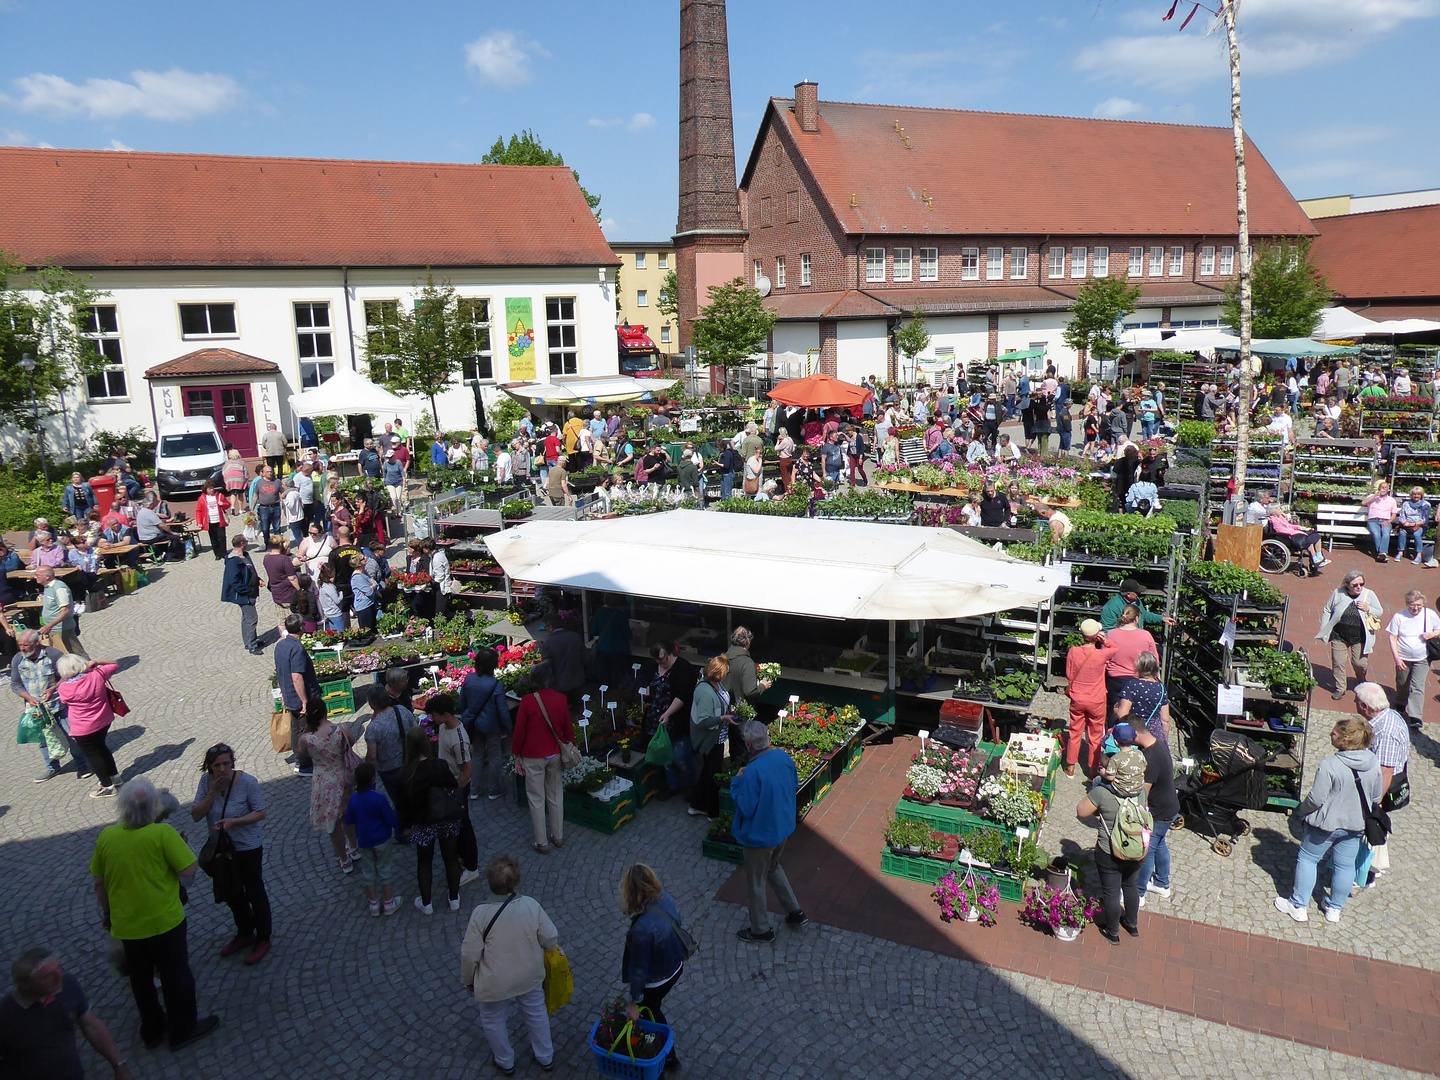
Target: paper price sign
1229,700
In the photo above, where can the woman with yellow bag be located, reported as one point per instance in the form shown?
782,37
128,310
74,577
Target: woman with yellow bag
502,962
656,947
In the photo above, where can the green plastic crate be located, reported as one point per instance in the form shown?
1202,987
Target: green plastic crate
854,762
723,851
947,819
727,803
339,697
602,817
913,867
649,781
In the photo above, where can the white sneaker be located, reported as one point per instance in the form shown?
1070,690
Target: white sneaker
1332,914
1164,894
469,876
455,904
79,609
1142,899
424,909
1299,914
1431,564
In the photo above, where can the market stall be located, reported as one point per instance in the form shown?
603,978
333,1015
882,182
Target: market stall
348,393
807,567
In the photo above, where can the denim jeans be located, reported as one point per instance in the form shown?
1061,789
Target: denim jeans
1342,846
269,520
1380,533
1156,863
247,625
727,484
1147,429
1409,538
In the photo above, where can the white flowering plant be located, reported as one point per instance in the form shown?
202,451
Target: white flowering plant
924,780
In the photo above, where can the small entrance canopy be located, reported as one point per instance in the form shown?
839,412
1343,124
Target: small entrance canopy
598,390
348,393
799,566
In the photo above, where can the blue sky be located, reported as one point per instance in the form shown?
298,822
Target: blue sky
1339,94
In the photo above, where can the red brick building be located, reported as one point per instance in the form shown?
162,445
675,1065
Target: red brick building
1382,263
857,215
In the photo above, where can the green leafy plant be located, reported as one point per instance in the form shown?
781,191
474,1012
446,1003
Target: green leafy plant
1018,686
1227,579
1195,433
903,833
1286,673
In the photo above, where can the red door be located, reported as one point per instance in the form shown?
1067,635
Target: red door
229,407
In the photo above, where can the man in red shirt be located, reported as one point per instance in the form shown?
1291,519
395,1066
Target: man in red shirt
1085,674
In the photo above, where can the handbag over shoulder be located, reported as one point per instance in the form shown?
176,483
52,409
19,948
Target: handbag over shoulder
569,752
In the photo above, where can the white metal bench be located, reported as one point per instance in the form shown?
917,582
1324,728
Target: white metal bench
1340,519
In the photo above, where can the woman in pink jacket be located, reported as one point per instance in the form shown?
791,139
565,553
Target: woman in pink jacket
83,692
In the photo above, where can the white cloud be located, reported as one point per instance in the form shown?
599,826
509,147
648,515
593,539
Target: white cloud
1357,174
1118,108
170,95
502,58
596,122
1276,37
640,121
606,224
116,144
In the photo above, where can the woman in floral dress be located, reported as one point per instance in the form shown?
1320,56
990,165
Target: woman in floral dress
334,780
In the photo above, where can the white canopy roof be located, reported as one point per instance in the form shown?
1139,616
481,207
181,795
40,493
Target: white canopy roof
600,390
1338,324
348,393
1201,341
802,566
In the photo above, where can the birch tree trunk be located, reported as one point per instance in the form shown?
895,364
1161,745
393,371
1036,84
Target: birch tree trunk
1242,214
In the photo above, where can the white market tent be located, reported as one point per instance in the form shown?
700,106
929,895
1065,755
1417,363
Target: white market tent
348,393
598,390
1200,341
1342,324
800,566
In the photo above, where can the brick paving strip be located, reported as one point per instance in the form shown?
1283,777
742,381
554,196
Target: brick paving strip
1366,1008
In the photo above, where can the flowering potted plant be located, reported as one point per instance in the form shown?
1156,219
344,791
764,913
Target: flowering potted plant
767,672
416,582
1009,801
967,897
1059,910
923,783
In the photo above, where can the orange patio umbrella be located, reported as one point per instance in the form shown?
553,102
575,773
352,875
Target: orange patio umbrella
819,392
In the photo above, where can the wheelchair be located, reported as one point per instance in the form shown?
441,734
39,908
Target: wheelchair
1278,556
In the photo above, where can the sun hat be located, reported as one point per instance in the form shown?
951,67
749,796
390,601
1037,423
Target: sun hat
1089,628
1127,772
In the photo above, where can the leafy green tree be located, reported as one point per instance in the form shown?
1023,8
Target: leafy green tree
425,347
733,327
914,337
1100,304
668,302
526,149
1289,292
62,309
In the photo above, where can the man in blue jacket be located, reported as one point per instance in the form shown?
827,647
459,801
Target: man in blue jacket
764,794
240,586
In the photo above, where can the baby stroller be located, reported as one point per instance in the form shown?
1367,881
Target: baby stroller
1212,801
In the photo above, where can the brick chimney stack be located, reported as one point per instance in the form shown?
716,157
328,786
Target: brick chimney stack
807,106
709,233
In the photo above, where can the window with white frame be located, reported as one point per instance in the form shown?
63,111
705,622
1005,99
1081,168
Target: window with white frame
1227,260
900,267
642,297
759,272
207,321
970,264
1157,261
100,326
1019,263
1177,261
874,264
662,261
473,314
1077,262
805,269
994,264
1207,260
560,331
640,260
929,264
1137,261
1101,262
664,335
1057,262
314,343
381,338
780,272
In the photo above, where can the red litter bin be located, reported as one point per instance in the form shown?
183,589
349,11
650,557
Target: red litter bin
104,488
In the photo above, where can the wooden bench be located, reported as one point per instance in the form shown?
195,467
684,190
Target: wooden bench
1340,519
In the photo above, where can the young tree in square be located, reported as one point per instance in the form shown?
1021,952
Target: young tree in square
424,348
733,327
914,337
1100,304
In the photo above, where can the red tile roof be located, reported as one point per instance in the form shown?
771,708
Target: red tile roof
99,208
212,362
1385,253
1000,173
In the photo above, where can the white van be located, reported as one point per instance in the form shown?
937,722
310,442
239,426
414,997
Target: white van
187,453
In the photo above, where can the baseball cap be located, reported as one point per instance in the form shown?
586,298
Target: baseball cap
1089,628
1124,734
1130,585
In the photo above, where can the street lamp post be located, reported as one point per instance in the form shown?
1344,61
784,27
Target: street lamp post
27,364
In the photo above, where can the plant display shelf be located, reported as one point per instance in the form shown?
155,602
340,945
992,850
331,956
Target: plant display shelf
1159,581
1410,467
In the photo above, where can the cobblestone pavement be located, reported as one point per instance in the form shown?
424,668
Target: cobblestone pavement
343,995
1237,892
